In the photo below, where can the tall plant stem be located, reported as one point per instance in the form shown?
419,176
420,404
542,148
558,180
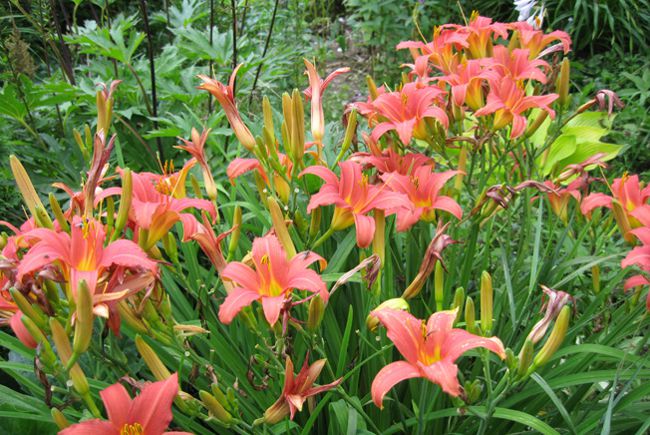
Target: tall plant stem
233,10
66,56
152,72
211,36
266,47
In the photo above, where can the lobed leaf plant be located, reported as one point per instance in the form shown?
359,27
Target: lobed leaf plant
457,260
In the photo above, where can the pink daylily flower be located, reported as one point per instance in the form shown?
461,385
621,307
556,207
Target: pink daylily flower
422,188
225,95
82,255
196,147
627,190
272,281
150,413
404,111
240,166
442,51
466,81
354,197
11,315
297,389
536,40
430,350
481,31
390,161
507,101
517,64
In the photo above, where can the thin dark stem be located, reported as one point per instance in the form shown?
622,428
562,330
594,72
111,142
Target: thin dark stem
65,51
152,72
266,47
243,18
233,9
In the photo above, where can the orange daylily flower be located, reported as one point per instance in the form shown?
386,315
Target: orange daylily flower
430,350
196,147
150,413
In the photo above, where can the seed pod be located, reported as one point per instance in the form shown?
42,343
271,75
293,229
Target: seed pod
555,339
487,302
215,408
158,369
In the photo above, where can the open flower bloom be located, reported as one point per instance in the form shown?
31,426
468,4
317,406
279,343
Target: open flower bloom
272,281
158,202
354,197
422,188
466,80
507,101
225,95
517,64
481,31
196,147
639,256
297,389
536,40
315,94
82,255
390,161
404,111
148,414
441,52
430,350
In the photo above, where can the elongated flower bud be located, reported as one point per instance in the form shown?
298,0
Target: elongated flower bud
372,87
297,129
379,239
316,313
268,120
28,309
470,315
487,302
125,204
555,339
46,355
439,286
563,83
350,131
63,348
83,328
372,322
622,221
280,227
128,316
459,300
170,246
595,278
151,359
216,409
525,358
536,124
236,232
58,213
25,186
59,419
314,223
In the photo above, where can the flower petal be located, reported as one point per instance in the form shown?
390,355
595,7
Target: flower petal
153,407
272,307
117,403
389,376
443,373
237,299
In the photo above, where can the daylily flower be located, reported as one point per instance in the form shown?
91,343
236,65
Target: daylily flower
315,94
629,202
82,254
481,31
556,300
150,413
196,147
430,350
442,52
297,389
466,80
536,40
272,281
517,64
354,197
559,197
225,95
390,161
507,101
98,166
422,187
404,112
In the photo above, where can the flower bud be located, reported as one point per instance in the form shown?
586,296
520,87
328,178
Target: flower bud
555,339
379,239
316,312
487,302
129,317
125,204
439,286
28,309
59,419
562,84
297,128
470,315
58,213
236,232
459,299
170,246
314,223
511,360
473,390
622,221
350,131
79,381
152,361
46,355
280,227
83,328
372,88
216,409
536,124
396,304
25,186
595,278
525,358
